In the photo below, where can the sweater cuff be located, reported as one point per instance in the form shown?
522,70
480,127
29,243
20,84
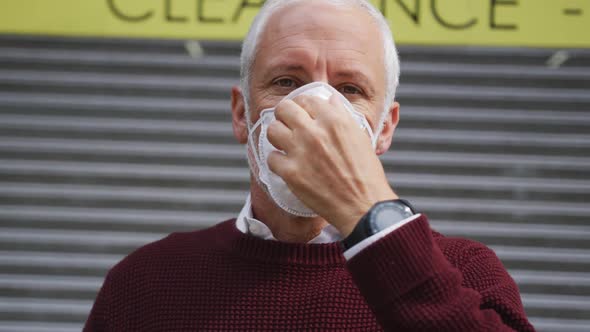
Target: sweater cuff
397,263
354,250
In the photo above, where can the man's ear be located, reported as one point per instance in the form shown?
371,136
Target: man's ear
386,136
238,111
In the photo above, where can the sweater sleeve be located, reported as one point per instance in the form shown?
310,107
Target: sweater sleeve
98,319
410,285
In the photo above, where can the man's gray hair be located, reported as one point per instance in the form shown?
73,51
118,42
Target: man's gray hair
250,46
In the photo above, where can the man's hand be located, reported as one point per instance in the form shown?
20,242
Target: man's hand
329,162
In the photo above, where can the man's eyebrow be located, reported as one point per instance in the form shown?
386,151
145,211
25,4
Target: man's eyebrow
355,76
285,67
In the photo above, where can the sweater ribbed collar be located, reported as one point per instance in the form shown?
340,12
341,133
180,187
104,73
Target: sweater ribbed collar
251,247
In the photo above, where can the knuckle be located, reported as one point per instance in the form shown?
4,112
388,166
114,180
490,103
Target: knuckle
301,99
307,101
308,130
287,103
289,172
274,163
312,101
317,136
279,109
271,161
282,107
272,130
272,127
329,115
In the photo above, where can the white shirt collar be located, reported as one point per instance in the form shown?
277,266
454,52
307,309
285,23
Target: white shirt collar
247,224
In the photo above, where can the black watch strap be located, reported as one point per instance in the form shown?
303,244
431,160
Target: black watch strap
362,230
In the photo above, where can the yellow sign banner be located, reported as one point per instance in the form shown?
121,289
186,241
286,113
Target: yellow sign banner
535,23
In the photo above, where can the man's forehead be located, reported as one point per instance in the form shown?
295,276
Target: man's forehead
305,26
320,18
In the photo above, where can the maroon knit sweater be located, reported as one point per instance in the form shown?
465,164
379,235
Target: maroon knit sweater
220,279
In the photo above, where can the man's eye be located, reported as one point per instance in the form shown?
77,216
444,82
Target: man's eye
350,90
285,83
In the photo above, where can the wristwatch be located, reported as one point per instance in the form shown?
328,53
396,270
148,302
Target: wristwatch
379,217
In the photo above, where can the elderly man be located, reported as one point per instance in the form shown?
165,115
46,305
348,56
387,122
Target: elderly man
323,243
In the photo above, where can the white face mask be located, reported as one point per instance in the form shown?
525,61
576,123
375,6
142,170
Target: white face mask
274,184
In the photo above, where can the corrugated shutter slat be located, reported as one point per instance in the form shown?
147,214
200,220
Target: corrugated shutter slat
109,144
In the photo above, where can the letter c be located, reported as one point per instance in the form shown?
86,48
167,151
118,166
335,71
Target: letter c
449,25
120,15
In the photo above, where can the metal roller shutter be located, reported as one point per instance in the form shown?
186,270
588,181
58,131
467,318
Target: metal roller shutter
106,145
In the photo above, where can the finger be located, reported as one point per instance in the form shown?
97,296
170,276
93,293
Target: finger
291,114
341,111
335,101
280,164
337,104
279,135
311,104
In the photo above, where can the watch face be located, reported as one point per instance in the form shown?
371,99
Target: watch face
388,214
